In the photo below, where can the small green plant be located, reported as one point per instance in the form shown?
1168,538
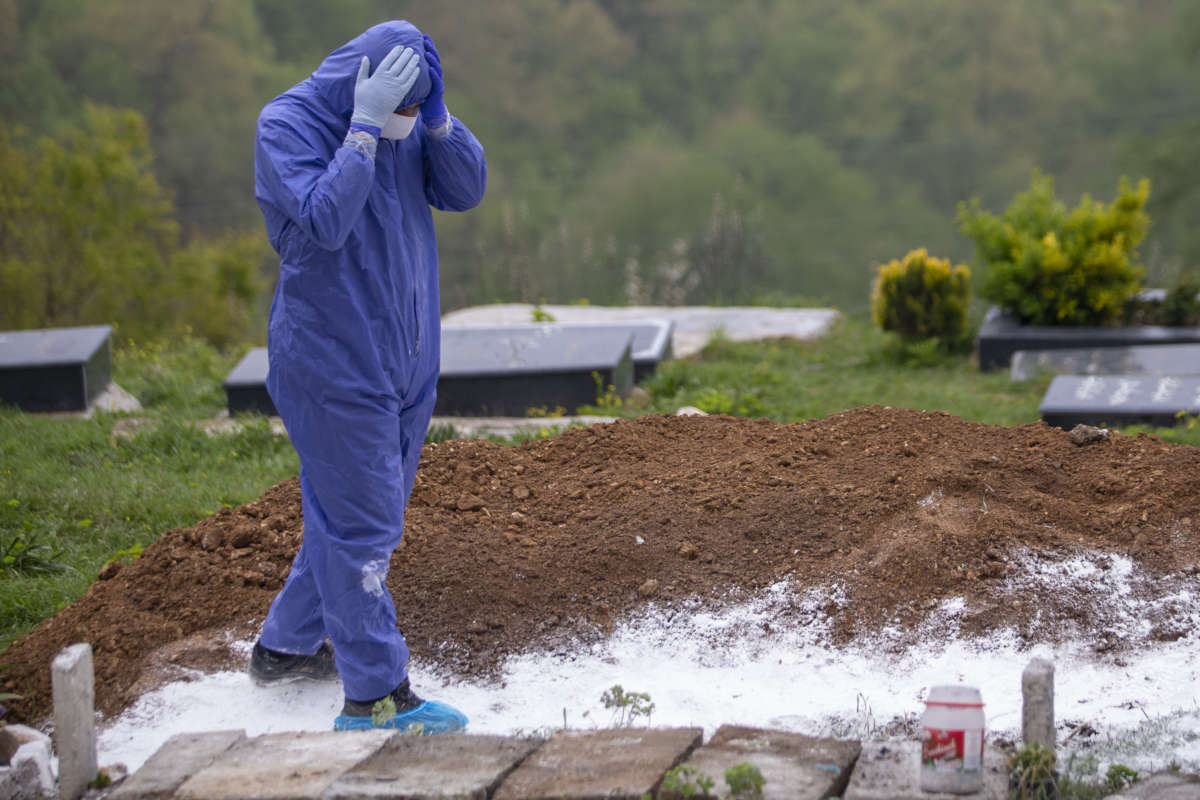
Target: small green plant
539,412
1119,776
686,781
745,782
1181,306
441,432
1031,773
22,553
923,299
627,706
738,404
383,711
542,315
102,780
606,396
1049,266
129,554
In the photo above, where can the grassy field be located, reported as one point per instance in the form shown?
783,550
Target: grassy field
76,493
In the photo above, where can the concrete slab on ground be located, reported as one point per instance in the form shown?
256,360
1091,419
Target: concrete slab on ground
621,764
694,325
425,768
1162,786
510,426
180,757
890,771
283,766
794,766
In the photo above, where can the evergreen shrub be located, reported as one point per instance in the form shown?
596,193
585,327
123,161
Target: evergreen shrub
1046,265
922,298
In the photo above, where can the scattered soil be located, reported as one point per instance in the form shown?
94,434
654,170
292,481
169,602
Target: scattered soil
511,549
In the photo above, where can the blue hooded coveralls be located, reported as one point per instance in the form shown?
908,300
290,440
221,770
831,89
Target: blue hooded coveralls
354,344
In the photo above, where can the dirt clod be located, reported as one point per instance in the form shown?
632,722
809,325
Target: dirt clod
1087,434
649,588
885,513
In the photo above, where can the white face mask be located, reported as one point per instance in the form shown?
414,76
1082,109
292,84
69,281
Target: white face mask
398,126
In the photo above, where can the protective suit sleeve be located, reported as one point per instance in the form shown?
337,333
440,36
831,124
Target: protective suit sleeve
455,170
323,197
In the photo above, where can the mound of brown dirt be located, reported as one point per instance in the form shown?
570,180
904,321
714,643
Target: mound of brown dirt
512,549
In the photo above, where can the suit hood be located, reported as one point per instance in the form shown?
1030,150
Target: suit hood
334,79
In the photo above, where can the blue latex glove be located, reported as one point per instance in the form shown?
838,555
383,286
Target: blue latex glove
377,96
433,110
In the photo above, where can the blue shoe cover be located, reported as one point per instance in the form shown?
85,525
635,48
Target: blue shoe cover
432,717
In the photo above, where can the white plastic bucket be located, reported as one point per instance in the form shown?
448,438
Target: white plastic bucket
952,729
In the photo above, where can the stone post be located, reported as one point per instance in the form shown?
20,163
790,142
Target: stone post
73,684
1037,712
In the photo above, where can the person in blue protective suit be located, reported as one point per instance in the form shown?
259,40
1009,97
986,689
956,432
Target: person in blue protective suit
347,165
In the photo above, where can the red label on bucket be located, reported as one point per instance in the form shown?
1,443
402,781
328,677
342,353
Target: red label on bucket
951,750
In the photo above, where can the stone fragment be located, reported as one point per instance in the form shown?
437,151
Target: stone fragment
689,551
649,588
212,539
13,736
74,691
283,765
428,767
1037,708
243,537
619,764
469,502
1087,434
28,773
179,758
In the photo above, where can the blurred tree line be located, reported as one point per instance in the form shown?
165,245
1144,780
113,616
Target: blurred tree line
662,151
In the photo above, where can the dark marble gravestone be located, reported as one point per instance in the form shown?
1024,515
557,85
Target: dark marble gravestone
246,385
55,369
1161,359
653,339
1120,400
1000,336
507,370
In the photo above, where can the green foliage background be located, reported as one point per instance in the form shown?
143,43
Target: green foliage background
662,151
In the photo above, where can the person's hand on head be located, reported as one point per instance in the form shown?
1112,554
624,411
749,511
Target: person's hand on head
433,110
377,96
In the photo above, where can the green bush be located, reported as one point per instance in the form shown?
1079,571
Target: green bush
88,236
922,298
1181,306
1049,266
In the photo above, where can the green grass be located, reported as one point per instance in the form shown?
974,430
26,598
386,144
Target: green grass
853,365
74,494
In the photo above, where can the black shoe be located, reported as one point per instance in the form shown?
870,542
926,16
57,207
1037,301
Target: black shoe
403,696
269,666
